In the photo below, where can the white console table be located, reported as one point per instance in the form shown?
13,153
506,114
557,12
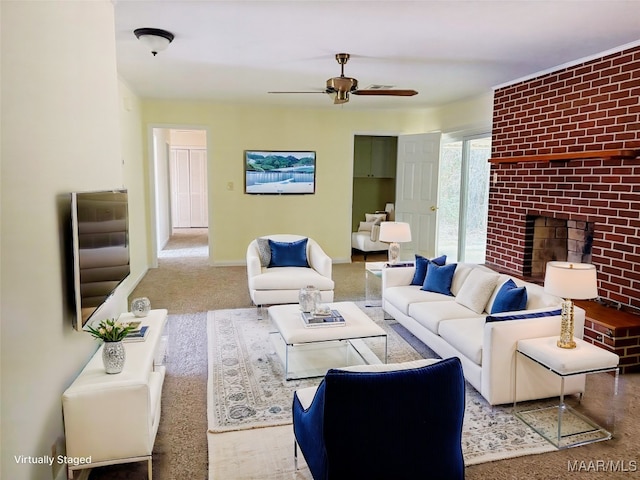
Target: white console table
111,419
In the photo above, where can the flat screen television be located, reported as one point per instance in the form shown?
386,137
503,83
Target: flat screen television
100,239
279,172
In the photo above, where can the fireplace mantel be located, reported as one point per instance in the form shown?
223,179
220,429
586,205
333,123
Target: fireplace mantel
559,157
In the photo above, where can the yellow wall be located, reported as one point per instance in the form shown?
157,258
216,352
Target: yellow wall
64,128
48,149
237,218
136,181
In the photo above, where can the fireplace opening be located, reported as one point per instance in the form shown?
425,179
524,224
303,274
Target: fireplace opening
555,239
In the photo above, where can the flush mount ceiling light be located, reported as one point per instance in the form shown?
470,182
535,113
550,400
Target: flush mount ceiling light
154,39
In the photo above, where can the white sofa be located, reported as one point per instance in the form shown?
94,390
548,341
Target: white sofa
281,285
487,350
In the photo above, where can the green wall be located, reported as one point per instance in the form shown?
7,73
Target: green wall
373,194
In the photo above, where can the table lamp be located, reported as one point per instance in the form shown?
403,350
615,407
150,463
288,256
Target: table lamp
394,233
571,281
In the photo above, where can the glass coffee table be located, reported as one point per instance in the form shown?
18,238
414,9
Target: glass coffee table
308,352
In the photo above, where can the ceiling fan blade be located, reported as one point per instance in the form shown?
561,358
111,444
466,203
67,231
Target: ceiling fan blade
390,93
316,91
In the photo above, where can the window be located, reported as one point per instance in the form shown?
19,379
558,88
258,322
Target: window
463,198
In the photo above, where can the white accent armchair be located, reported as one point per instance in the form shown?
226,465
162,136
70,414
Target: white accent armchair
366,239
271,284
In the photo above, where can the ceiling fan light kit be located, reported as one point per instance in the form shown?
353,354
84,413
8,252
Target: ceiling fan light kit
340,87
155,39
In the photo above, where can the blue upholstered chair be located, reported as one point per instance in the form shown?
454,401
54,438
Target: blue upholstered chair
394,424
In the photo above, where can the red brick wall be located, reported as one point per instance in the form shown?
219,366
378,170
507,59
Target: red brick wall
591,106
587,107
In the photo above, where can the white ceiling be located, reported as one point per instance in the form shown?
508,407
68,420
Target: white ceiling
447,50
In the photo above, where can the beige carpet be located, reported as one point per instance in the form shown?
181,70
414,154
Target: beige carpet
189,287
247,396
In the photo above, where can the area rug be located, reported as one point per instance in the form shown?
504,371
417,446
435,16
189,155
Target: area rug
246,385
247,390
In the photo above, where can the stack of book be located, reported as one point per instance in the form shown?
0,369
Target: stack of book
332,318
399,264
138,334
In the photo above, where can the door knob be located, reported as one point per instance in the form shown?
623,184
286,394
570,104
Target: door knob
433,208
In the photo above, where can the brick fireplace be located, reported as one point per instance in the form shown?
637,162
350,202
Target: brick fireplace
565,151
548,239
561,148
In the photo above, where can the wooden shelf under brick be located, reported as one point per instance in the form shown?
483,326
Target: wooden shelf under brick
614,330
558,157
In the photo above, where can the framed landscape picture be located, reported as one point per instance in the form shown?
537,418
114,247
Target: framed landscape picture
279,172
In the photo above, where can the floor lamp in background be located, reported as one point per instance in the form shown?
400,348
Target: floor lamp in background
394,233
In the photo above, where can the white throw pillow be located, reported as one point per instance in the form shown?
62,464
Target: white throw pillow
477,290
372,217
365,226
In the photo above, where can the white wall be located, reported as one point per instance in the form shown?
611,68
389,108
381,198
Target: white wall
468,117
60,133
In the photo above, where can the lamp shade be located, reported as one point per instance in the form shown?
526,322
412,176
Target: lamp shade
576,281
395,232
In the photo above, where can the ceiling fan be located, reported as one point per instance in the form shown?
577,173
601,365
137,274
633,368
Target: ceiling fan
340,87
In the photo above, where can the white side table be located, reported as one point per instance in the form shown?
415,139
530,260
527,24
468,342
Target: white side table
373,284
561,424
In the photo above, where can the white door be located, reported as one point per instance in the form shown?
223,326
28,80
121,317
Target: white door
180,189
189,188
417,191
198,181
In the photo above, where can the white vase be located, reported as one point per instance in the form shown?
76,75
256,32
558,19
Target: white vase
113,356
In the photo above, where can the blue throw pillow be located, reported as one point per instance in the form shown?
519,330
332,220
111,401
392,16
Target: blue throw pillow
439,278
284,254
510,298
421,267
524,316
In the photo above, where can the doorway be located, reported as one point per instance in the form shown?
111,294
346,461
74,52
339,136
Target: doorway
374,175
464,198
181,192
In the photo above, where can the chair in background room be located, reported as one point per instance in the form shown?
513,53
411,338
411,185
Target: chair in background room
400,421
366,238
